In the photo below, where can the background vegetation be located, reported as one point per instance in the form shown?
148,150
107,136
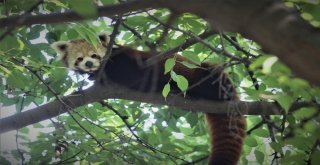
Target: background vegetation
117,131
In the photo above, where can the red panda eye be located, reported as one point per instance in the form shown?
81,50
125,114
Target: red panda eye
80,59
94,56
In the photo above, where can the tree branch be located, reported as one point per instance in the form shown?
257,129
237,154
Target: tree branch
28,19
10,30
98,92
277,28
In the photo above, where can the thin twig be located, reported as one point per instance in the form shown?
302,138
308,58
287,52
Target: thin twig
196,161
237,46
312,150
132,30
165,32
124,119
17,136
255,127
20,20
69,158
101,72
151,61
106,130
200,40
68,108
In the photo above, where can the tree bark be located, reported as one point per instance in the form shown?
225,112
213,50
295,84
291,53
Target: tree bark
97,93
277,28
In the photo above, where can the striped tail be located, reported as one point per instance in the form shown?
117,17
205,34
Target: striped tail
227,136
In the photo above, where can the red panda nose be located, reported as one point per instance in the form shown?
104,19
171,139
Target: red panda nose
89,64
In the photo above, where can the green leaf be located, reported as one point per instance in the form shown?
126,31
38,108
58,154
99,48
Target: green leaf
58,3
261,133
39,100
127,36
87,33
311,11
259,156
251,141
24,130
315,158
37,125
192,119
166,90
4,70
187,131
244,160
7,101
173,124
276,146
300,143
17,80
35,32
189,65
84,7
192,56
173,75
285,101
258,62
280,68
72,34
169,64
93,158
108,2
182,83
58,74
252,93
304,112
8,43
4,161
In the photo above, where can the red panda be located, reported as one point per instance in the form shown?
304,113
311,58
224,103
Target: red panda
126,67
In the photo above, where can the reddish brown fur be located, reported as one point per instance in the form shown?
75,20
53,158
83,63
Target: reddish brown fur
227,132
226,145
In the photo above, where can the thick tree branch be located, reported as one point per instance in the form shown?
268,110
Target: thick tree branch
28,19
278,29
10,30
99,92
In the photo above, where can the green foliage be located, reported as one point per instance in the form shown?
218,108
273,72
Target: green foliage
310,10
182,83
85,8
140,133
166,90
170,62
259,156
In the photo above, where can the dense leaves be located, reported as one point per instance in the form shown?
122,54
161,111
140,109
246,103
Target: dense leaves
127,132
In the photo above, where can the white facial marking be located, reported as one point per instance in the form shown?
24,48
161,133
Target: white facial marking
84,67
79,54
101,52
91,52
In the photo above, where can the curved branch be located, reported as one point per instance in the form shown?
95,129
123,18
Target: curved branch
277,28
28,19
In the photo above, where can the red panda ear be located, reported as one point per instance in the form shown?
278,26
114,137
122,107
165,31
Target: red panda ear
61,48
104,39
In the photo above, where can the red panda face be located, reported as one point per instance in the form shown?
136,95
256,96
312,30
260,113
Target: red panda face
79,55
